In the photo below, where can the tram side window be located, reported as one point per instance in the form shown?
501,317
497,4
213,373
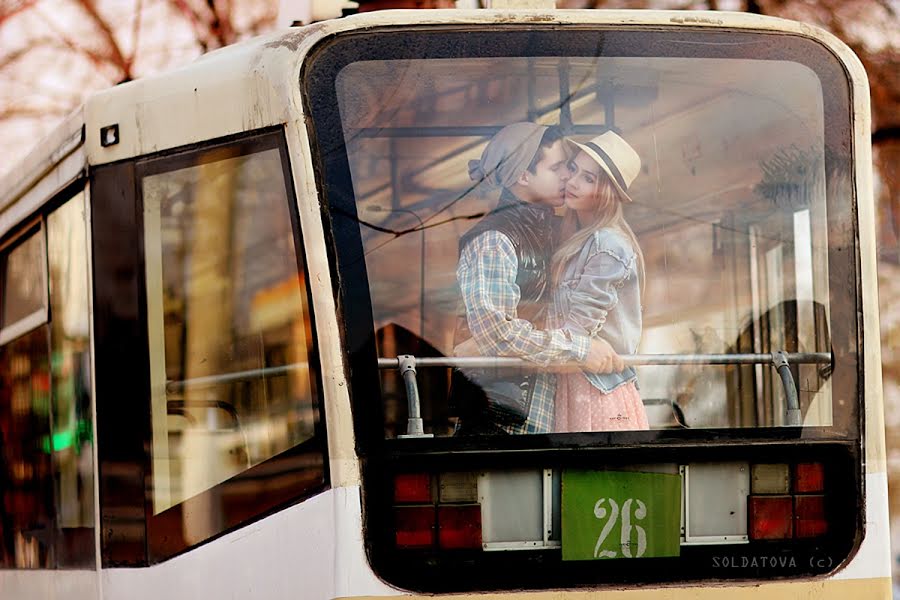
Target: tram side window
72,432
46,458
24,295
229,331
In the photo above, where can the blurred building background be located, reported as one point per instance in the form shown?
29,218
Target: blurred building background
55,52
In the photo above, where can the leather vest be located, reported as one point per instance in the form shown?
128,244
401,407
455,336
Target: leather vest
532,230
486,401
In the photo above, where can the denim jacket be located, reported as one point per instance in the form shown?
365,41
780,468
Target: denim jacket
599,295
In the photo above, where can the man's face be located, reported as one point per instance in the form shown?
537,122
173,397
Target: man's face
547,185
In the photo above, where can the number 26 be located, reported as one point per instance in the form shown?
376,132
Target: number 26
638,513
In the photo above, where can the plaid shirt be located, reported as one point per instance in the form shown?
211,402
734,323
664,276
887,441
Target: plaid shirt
487,279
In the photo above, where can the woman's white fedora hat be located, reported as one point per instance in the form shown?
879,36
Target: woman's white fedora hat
616,157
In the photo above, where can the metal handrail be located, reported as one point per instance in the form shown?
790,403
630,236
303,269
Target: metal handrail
628,359
779,360
173,386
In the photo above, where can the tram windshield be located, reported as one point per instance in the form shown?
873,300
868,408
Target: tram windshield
737,191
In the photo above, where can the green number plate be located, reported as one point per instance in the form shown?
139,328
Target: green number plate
611,514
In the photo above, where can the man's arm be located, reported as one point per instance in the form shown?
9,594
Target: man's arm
487,278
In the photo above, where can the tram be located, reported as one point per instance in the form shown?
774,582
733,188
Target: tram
230,297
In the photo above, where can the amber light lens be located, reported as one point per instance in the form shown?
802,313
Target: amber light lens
771,517
412,488
770,478
809,477
414,526
809,512
459,527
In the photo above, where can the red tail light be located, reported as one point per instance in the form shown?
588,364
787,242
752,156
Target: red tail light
425,520
414,526
776,512
412,488
809,514
809,477
771,517
459,526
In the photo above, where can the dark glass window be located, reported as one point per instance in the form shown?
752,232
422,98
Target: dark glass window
72,435
24,281
27,514
232,377
46,436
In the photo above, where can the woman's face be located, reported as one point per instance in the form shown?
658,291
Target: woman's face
584,183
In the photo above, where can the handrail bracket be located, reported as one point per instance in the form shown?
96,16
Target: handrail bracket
406,363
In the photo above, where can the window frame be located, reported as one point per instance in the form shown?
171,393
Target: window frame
125,178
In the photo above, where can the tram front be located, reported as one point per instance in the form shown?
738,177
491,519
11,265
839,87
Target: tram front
730,277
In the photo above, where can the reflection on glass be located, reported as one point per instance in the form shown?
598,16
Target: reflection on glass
228,326
729,209
71,438
46,457
26,468
23,279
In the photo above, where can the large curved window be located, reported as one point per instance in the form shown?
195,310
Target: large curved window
729,156
740,208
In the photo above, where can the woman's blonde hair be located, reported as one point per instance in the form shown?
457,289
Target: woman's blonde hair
609,214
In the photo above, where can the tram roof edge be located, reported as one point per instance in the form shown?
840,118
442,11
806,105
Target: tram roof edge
50,151
253,84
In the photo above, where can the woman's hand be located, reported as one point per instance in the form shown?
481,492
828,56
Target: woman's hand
602,358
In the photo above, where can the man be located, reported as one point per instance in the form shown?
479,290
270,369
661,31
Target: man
504,278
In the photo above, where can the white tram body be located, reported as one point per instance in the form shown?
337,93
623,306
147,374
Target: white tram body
317,547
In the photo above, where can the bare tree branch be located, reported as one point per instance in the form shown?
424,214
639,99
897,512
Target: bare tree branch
62,44
200,28
135,32
116,57
7,12
91,49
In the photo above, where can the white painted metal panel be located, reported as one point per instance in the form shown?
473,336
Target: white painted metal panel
873,559
312,550
49,585
715,498
512,506
240,88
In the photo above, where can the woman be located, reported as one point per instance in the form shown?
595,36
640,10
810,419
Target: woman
598,273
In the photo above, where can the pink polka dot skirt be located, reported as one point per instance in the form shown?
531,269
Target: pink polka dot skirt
582,407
